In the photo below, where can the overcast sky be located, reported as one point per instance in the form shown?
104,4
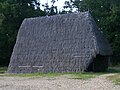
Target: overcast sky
59,3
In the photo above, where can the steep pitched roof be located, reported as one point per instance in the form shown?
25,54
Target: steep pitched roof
102,45
57,43
38,27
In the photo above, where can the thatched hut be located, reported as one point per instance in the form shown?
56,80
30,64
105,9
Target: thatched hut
60,43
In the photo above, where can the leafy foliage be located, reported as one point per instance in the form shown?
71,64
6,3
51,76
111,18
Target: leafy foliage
107,16
12,14
50,10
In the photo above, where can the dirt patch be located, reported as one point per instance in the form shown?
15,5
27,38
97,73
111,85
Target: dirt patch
64,82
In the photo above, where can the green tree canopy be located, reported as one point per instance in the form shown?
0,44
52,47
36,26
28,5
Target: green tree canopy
12,13
107,15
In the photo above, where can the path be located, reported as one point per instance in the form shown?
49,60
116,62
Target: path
57,83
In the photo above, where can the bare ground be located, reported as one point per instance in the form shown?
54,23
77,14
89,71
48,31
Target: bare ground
63,82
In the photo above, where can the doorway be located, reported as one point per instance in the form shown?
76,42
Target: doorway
99,64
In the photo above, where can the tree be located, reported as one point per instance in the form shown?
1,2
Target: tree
50,10
12,13
73,5
107,15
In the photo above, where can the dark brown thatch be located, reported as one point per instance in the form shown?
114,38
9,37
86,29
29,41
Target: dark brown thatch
60,43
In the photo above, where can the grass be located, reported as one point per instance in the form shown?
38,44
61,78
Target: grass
115,79
72,75
78,75
35,75
115,69
82,75
3,70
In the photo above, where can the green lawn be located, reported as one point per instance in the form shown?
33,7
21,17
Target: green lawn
36,75
3,70
114,78
84,75
79,75
115,69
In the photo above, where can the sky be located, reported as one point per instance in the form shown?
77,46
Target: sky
59,3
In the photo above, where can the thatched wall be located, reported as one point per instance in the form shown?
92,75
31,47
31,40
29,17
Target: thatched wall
60,43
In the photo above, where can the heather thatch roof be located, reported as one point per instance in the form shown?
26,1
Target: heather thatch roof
56,42
102,45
